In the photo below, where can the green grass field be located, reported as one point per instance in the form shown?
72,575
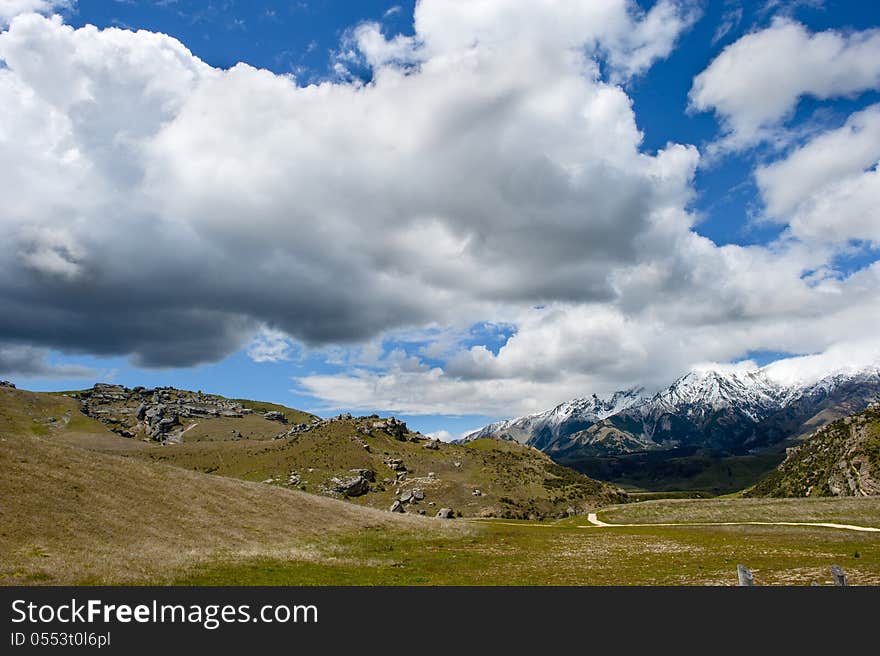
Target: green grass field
566,554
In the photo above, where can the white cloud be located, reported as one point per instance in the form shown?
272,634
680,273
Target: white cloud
840,358
9,9
756,82
561,352
159,208
828,190
270,345
154,190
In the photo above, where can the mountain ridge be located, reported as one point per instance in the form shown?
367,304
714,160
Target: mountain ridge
707,412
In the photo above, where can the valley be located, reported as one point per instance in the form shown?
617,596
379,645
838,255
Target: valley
218,505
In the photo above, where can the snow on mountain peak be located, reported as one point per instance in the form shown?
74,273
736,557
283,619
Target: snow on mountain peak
719,388
743,388
806,370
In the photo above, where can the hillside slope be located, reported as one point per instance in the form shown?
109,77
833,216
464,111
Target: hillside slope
367,460
72,515
840,459
375,462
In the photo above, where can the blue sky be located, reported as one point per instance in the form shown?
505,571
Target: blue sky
309,40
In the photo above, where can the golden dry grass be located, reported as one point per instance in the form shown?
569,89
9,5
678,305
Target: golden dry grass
70,515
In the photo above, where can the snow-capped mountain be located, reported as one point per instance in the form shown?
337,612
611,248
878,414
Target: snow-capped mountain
728,410
543,429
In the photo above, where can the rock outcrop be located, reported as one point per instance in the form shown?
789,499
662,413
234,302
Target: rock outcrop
157,413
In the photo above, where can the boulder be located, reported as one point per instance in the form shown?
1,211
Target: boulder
445,513
477,493
167,423
353,486
6,383
274,415
369,474
397,507
154,413
433,445
418,495
395,464
406,496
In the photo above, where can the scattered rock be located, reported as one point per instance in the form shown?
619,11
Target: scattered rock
368,474
154,412
274,415
294,479
396,429
395,464
6,383
418,495
406,496
353,486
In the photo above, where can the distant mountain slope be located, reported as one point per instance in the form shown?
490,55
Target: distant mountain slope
544,429
726,410
669,440
840,459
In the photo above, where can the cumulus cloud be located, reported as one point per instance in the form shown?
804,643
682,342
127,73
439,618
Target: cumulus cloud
270,346
840,358
21,360
162,209
829,188
442,435
9,9
756,82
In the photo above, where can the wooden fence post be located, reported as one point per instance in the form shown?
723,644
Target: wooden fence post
745,576
838,575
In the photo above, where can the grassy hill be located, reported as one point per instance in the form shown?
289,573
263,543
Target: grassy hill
840,459
80,504
282,447
70,514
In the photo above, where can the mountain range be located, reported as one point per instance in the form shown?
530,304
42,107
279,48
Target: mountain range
705,416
